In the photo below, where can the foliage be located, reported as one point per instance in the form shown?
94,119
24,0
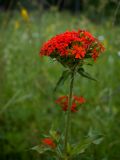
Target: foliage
26,88
97,11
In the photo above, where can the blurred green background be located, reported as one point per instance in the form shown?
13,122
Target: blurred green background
27,108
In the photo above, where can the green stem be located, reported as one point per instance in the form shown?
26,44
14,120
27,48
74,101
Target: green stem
68,112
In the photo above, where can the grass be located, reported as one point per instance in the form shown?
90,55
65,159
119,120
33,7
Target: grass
27,109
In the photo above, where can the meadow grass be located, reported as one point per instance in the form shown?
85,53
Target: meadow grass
27,108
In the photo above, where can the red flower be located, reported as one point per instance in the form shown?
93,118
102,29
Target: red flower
49,142
80,99
63,102
78,51
74,44
61,99
95,56
74,107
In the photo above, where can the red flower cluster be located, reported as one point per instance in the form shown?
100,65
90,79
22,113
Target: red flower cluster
49,142
75,44
63,102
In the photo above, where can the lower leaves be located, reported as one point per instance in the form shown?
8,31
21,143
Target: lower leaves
58,145
54,145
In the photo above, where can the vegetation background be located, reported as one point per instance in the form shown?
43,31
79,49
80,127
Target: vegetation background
27,108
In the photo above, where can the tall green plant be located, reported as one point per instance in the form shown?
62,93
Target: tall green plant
73,50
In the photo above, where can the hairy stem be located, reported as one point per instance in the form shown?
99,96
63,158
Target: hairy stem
68,112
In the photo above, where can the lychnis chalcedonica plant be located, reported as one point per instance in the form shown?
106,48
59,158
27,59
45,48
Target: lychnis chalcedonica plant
73,49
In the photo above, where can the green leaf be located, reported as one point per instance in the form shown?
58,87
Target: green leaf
59,151
89,64
55,135
96,138
62,79
40,149
84,144
69,148
81,147
82,72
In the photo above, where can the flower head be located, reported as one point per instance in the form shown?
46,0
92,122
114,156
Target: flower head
49,142
73,46
63,102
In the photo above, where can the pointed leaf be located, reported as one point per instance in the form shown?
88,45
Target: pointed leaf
89,64
96,138
69,148
55,135
82,72
62,79
81,147
39,149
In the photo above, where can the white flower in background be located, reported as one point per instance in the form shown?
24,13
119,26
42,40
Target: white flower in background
110,59
101,38
119,53
35,34
25,36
